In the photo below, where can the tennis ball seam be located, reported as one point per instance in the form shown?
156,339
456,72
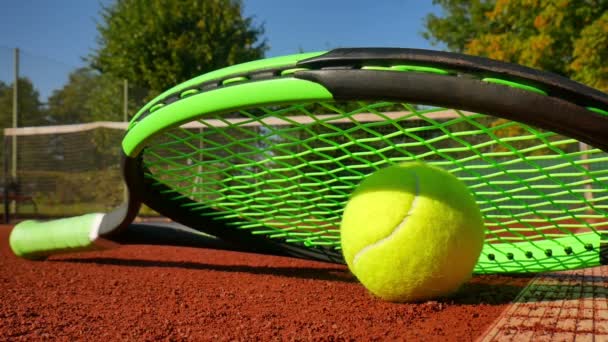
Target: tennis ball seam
400,226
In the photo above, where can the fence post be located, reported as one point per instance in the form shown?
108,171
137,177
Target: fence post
15,123
125,118
5,201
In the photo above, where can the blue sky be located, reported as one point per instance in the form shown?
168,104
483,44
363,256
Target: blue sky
54,35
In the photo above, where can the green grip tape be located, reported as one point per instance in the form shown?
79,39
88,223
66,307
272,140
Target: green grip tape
36,239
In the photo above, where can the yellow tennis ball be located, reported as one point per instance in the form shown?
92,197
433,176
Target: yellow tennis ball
412,232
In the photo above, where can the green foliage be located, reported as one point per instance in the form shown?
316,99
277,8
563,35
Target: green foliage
91,96
30,110
568,37
591,53
68,105
99,186
29,106
60,193
72,193
5,100
157,44
461,22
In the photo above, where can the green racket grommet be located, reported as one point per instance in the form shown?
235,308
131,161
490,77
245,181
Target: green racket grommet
235,80
156,107
292,71
189,92
514,85
408,68
597,110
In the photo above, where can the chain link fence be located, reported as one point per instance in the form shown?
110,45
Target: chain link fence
55,164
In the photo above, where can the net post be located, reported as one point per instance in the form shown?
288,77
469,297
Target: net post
125,100
13,204
15,113
125,118
5,199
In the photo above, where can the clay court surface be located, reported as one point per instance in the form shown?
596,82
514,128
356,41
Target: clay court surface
146,292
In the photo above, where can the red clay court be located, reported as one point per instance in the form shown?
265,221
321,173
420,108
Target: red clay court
145,292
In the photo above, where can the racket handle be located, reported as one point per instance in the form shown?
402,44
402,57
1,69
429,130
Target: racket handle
38,239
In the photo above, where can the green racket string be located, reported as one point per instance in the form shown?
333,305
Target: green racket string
287,171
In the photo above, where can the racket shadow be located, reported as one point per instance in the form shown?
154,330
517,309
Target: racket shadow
173,234
338,274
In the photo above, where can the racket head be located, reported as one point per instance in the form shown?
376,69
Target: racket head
314,125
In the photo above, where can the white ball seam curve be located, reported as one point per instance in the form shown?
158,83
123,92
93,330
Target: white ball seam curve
399,226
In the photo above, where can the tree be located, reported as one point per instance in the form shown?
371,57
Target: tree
30,107
461,23
158,44
568,37
5,108
91,96
591,53
30,113
69,104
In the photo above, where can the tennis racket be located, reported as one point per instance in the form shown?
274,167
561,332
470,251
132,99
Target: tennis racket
266,154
